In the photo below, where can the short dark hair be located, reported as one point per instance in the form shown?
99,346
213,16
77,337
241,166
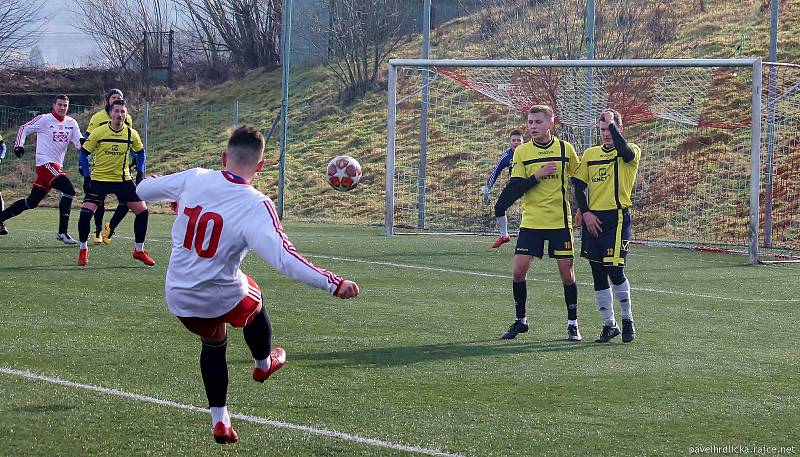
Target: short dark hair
542,109
62,97
515,132
118,102
246,145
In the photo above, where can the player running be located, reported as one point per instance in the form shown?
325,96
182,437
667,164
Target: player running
220,218
113,146
54,132
98,119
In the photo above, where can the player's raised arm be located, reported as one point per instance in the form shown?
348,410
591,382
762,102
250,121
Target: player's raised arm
266,237
625,151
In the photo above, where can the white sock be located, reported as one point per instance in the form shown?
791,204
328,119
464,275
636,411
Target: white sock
138,247
220,414
524,320
572,322
264,364
502,225
605,303
623,294
84,244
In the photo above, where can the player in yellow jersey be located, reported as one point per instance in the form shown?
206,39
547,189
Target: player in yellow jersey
113,146
101,118
3,230
607,175
540,174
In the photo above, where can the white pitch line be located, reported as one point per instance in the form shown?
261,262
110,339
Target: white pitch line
244,417
495,275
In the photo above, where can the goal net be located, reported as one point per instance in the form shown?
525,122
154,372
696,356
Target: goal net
712,175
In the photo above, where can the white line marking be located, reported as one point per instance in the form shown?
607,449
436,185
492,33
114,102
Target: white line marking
244,417
495,275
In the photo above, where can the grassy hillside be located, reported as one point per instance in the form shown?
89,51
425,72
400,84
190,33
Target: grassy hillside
187,128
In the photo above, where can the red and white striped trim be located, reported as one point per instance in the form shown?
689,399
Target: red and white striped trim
254,293
52,169
289,247
21,130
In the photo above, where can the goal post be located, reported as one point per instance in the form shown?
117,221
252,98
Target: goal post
697,121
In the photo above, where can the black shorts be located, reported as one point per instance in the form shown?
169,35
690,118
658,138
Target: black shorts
98,190
559,243
611,247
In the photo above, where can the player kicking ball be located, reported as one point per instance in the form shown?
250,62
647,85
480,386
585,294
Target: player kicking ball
220,218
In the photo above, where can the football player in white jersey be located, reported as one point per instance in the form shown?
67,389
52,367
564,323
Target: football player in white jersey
220,218
54,132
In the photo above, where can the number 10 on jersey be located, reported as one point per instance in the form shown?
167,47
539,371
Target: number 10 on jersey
196,231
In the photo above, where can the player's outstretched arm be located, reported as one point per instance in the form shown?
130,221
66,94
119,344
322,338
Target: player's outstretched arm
265,236
164,188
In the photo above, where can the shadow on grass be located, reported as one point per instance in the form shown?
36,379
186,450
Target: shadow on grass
407,355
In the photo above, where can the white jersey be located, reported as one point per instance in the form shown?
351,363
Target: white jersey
220,218
52,137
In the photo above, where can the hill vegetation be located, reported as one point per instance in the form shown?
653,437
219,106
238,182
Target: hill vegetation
187,127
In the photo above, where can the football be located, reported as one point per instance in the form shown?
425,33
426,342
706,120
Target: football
343,173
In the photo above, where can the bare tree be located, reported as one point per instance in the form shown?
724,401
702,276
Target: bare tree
361,34
118,26
22,23
534,29
524,29
246,31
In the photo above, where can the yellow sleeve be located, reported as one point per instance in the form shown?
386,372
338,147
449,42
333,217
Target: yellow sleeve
136,141
91,143
517,167
637,154
582,172
92,123
574,161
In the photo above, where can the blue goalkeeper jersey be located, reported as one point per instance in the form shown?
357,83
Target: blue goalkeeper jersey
504,162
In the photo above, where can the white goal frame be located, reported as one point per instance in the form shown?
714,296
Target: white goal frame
753,64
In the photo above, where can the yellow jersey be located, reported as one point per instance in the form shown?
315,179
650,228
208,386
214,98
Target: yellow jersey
609,179
102,118
111,152
546,205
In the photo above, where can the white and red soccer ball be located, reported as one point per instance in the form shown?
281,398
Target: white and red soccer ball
343,173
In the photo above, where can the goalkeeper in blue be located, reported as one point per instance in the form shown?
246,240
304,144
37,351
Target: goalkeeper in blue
3,230
603,187
504,163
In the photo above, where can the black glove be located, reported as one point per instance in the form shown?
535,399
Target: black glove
139,177
19,151
82,140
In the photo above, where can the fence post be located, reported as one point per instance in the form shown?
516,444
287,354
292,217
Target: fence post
146,127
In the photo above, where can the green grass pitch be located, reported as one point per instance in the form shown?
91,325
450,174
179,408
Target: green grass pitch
416,360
